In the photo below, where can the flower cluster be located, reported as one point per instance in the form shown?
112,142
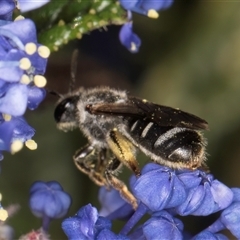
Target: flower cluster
48,201
145,7
22,63
163,194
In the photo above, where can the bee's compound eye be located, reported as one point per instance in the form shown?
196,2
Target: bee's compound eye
65,107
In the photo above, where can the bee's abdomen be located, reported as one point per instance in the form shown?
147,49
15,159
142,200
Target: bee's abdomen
172,146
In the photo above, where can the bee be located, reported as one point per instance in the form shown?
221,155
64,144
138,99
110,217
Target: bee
117,125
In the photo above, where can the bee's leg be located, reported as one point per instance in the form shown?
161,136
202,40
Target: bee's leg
86,161
112,168
124,150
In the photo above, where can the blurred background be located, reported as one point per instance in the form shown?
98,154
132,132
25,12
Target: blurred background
189,59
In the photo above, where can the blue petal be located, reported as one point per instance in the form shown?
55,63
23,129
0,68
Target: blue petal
14,102
106,234
207,235
35,97
128,5
102,223
205,195
113,206
6,132
160,184
24,29
6,9
49,200
88,216
222,195
129,39
81,226
230,217
163,227
31,5
236,194
72,228
156,5
22,131
142,6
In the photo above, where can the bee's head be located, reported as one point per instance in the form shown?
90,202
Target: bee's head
65,112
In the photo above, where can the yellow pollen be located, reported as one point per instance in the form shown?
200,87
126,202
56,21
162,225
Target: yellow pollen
78,35
89,24
6,117
114,10
61,23
55,48
152,13
144,100
102,23
133,46
24,63
3,214
31,144
16,146
40,81
30,48
20,17
44,51
92,11
25,79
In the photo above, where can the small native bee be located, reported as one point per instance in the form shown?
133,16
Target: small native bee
117,124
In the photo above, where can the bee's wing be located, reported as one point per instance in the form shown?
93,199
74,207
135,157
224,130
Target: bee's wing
142,109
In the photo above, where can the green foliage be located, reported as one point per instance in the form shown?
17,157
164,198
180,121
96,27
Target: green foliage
58,22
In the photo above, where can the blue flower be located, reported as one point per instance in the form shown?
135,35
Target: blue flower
48,201
161,184
86,224
207,235
22,62
164,226
113,206
31,5
146,7
6,9
129,39
106,234
13,132
205,195
230,217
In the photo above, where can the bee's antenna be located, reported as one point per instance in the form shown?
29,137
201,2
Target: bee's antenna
73,70
54,93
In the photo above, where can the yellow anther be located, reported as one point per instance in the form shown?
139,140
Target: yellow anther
30,48
78,35
24,63
40,81
61,23
25,79
3,214
92,11
55,48
114,10
31,144
44,51
20,17
102,23
89,24
6,117
152,13
16,146
0,197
